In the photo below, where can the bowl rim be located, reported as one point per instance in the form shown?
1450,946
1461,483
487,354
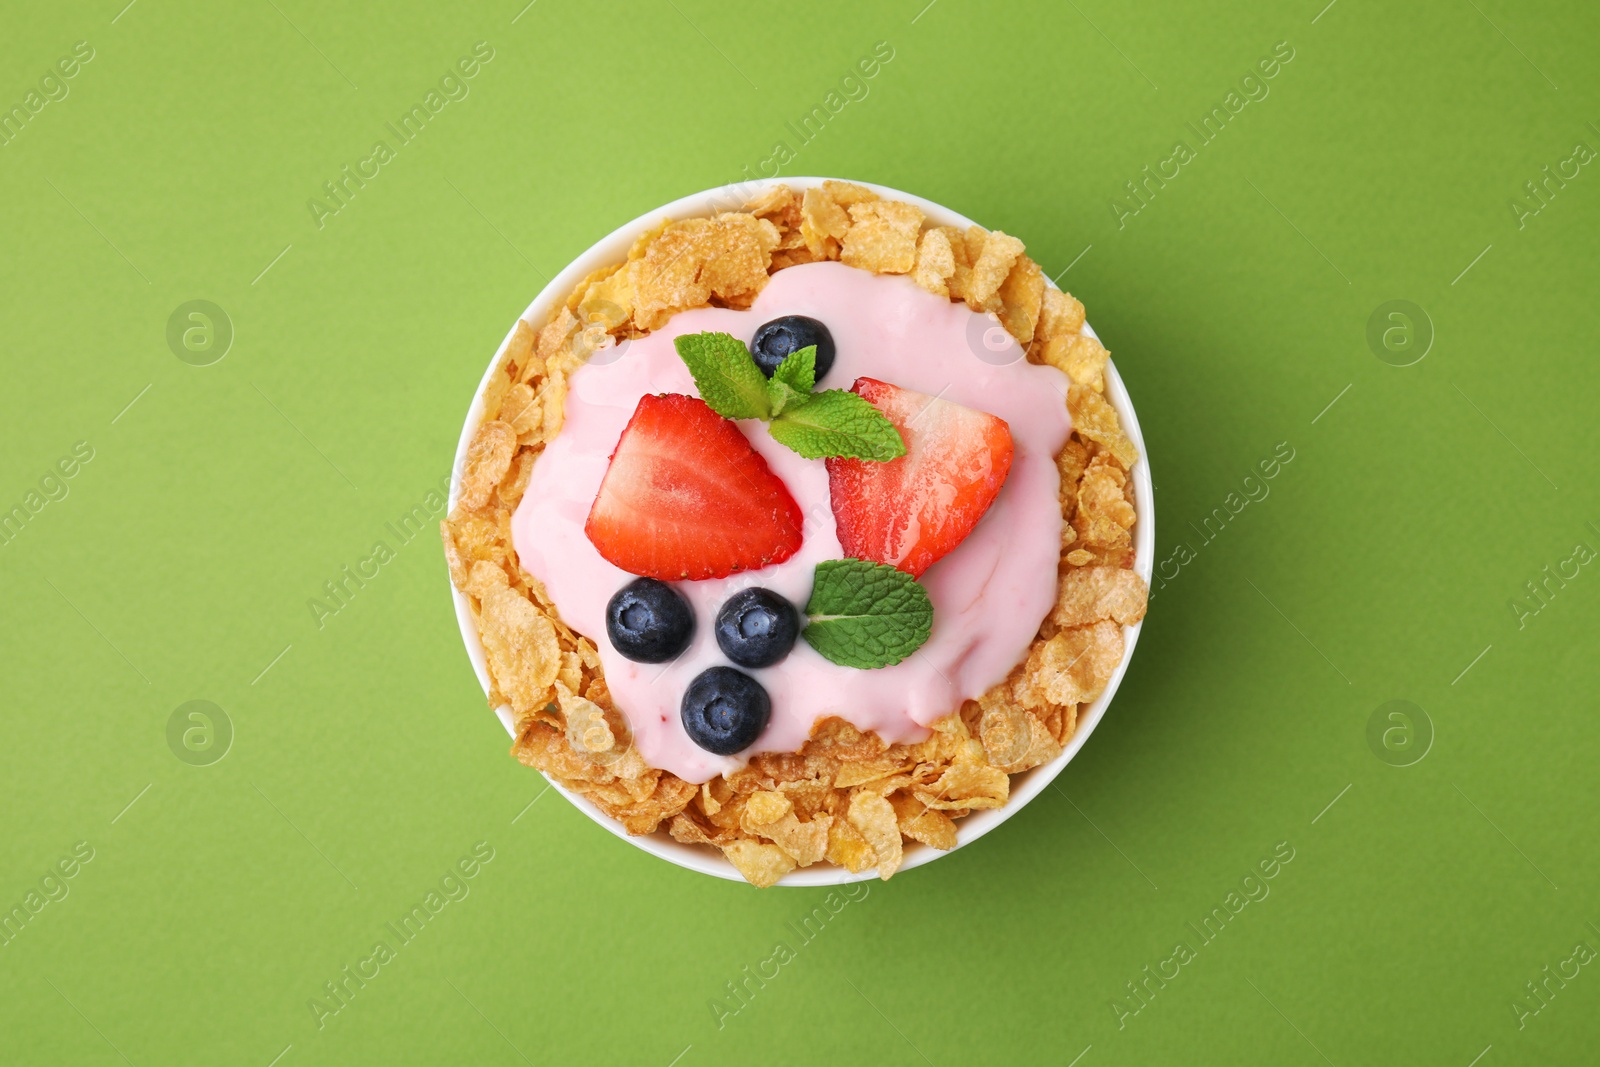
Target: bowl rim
1024,786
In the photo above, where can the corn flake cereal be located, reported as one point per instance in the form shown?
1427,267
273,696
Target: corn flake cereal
488,459
823,223
848,848
990,268
846,194
1091,594
1103,516
1081,357
761,864
882,237
1094,417
1060,313
1073,667
519,351
874,818
921,823
696,261
936,262
521,645
1021,299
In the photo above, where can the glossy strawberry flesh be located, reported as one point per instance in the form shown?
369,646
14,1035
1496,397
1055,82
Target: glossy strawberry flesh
912,511
686,497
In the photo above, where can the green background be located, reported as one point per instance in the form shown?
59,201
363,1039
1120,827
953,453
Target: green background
1382,566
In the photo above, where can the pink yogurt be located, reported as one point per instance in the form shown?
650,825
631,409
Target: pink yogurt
989,595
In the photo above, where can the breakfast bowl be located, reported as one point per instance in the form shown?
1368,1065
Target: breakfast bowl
990,345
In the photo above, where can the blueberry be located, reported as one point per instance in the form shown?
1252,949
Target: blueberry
757,628
776,339
648,621
725,710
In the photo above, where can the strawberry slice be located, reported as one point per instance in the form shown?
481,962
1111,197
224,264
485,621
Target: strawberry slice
686,497
911,511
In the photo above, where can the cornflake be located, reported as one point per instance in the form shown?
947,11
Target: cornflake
1103,516
1021,299
1073,667
1060,314
1091,594
873,817
1094,417
521,647
1081,357
696,261
936,262
882,237
990,268
823,223
761,864
488,459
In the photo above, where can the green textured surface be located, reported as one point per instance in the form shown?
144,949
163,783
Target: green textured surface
1381,566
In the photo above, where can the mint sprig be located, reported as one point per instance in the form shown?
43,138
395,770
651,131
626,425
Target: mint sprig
816,425
867,615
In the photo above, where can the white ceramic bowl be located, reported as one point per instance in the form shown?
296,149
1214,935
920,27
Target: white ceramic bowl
1024,787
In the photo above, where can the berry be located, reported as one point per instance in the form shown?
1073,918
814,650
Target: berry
686,497
776,339
725,710
911,511
757,627
648,621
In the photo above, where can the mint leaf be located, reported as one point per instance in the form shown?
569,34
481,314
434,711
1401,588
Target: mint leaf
726,374
793,379
783,398
837,423
798,370
864,614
